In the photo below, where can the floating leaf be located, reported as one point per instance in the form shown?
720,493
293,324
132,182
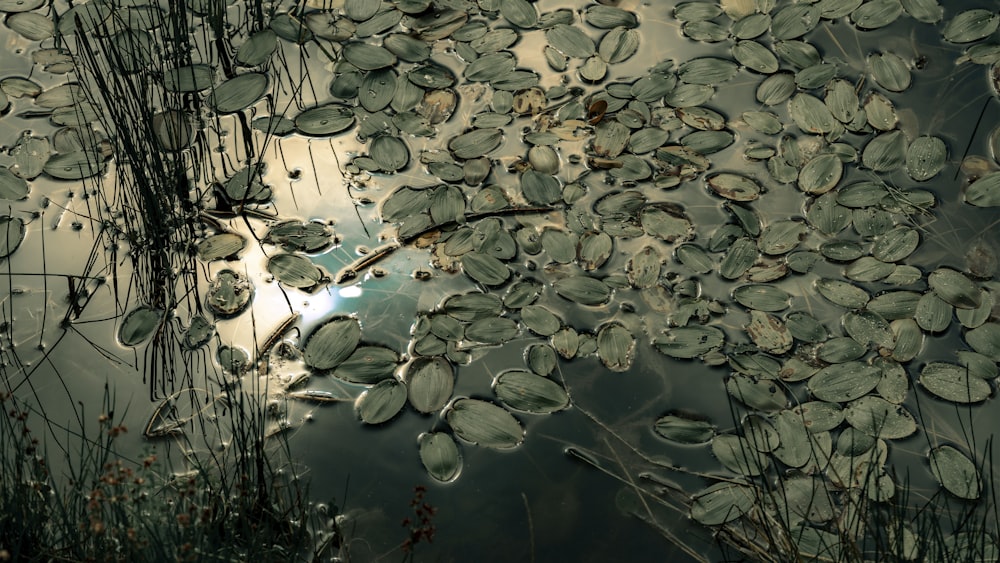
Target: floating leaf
953,383
367,365
812,115
738,455
570,40
583,289
229,294
925,157
926,11
723,502
769,333
238,93
76,165
539,188
332,343
615,346
485,424
666,222
956,472
541,358
844,382
381,402
876,13
190,78
762,297
804,327
469,307
692,256
299,236
296,271
476,143
821,174
484,268
954,288
776,89
566,342
139,325
389,152
11,186
984,192
762,395
794,21
840,349
223,246
429,383
842,293
879,418
519,12
684,430
735,187
440,456
971,25
198,333
608,17
689,341
540,320
707,70
755,56
367,56
618,45
741,256
525,391
780,237
890,71
885,152
258,48
496,330
896,244
594,250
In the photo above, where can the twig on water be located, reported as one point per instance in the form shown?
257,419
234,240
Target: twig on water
351,271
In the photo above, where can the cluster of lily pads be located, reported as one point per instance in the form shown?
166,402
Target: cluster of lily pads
578,195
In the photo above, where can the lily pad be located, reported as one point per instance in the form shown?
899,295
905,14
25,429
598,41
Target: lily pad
332,343
485,424
381,402
689,341
723,502
956,472
525,391
139,325
684,430
296,271
615,346
429,382
440,456
238,93
954,383
367,365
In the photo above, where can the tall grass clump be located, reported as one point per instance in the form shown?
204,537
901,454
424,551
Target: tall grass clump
834,508
150,209
109,507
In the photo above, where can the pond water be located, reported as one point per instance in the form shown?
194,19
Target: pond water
732,264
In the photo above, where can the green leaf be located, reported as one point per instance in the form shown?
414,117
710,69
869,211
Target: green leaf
440,456
485,424
956,472
525,391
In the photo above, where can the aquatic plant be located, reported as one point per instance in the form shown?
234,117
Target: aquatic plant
611,216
